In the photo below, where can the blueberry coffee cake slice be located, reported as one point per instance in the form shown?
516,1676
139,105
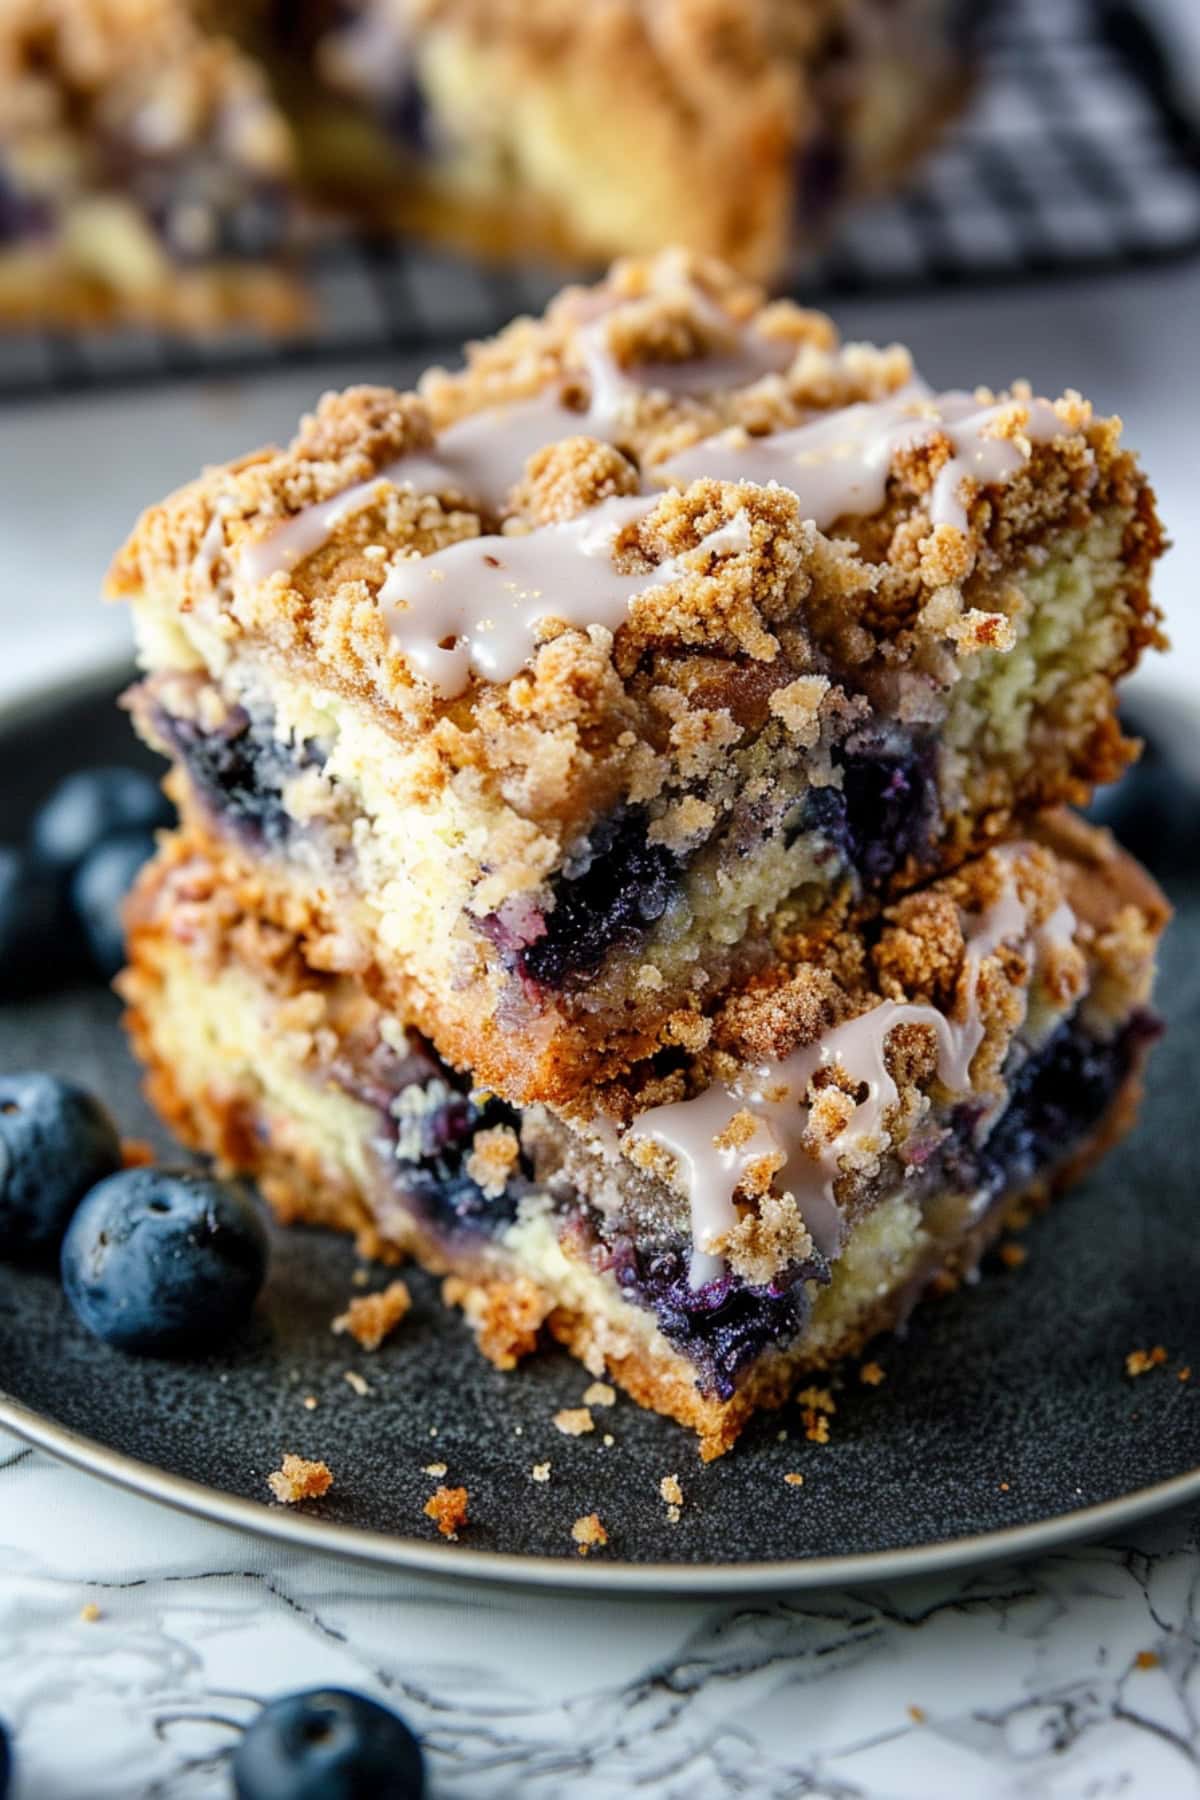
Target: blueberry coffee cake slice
741,128
860,1118
145,173
556,693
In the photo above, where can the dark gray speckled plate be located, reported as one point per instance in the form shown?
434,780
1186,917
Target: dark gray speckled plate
1006,1423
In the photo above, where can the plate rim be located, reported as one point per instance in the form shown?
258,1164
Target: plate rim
394,1550
684,1580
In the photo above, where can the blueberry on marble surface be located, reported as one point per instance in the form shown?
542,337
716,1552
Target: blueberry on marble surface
89,806
328,1744
160,1261
56,1142
98,888
34,947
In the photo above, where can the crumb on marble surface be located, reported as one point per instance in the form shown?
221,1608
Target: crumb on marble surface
872,1373
540,1472
435,1469
1147,1659
589,1533
1140,1362
448,1509
299,1479
794,1479
370,1318
600,1394
917,1714
90,1613
310,1403
354,1380
1012,1255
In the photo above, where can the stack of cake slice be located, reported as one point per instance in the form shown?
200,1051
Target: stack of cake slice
618,855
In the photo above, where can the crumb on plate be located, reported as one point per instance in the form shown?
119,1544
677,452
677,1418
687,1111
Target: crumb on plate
370,1318
298,1479
589,1533
448,1509
574,1421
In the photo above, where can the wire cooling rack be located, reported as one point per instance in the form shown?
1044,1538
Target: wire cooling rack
1073,158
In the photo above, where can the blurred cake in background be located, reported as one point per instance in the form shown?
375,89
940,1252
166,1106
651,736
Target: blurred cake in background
740,128
145,171
154,154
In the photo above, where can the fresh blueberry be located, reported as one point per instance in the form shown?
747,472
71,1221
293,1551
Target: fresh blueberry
55,1143
98,887
35,949
164,1260
328,1744
91,805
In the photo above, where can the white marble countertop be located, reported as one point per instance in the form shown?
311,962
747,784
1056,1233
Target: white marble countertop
1076,1677
1023,1681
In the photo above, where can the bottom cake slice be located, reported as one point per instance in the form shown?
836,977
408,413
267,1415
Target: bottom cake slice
761,1198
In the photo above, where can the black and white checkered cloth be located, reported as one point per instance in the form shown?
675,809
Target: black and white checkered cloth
1072,158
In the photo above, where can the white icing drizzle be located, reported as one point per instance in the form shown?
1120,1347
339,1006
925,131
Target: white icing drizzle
474,608
484,454
839,464
211,547
775,1095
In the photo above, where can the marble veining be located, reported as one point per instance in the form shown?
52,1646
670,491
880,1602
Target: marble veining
1075,1677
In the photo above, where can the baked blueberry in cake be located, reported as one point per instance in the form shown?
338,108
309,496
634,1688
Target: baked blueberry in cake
145,172
741,128
559,694
858,1118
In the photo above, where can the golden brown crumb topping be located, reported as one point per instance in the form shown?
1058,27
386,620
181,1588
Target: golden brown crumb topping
748,631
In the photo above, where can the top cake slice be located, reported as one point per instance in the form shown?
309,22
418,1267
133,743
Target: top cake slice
549,695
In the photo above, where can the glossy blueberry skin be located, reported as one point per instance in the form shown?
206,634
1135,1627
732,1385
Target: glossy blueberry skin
89,806
160,1261
35,949
98,888
328,1744
56,1142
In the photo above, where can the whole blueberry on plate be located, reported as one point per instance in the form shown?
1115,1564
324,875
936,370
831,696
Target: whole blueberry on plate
34,949
56,1141
328,1744
91,805
98,887
164,1260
